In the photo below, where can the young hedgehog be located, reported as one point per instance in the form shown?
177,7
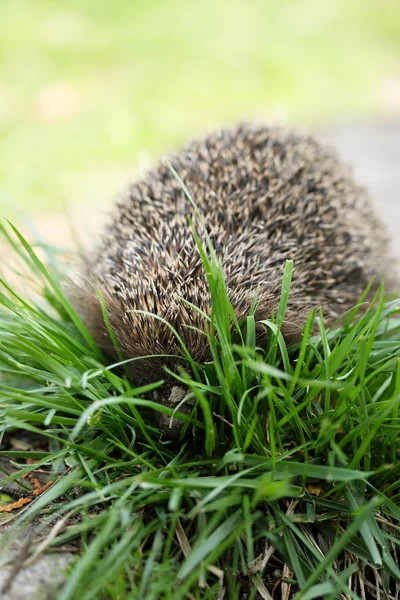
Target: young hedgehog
266,194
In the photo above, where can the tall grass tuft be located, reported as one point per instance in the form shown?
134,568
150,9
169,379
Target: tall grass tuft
286,480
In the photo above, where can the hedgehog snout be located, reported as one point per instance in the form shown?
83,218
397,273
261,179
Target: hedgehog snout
171,428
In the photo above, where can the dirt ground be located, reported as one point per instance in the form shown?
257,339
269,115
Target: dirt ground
374,151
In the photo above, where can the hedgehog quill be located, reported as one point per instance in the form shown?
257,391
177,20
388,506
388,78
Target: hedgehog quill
266,194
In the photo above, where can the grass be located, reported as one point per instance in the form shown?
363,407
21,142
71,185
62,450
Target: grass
286,484
88,89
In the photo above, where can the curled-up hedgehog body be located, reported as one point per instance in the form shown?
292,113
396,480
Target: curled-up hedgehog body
266,195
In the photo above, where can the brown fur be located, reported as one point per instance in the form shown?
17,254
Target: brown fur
266,194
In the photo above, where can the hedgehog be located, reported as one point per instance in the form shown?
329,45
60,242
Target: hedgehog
266,194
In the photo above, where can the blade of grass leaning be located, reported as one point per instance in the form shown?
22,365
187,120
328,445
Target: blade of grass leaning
57,291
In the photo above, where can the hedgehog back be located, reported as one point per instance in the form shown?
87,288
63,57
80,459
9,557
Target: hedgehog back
266,195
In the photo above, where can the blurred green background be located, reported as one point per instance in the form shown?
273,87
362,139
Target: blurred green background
90,91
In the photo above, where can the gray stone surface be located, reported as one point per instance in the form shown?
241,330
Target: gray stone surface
374,151
40,581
